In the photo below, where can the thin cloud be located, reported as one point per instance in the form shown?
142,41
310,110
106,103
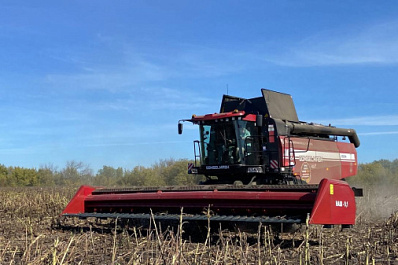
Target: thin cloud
386,120
378,133
377,44
132,68
135,144
155,99
108,79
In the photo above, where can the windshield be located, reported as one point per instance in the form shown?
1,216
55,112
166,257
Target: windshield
226,143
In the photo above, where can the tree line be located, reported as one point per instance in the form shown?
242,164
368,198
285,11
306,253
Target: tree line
377,173
162,173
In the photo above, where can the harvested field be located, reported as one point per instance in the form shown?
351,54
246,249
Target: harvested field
30,234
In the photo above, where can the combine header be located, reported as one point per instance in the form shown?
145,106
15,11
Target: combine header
261,164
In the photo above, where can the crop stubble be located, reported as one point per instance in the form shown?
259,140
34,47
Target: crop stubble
30,234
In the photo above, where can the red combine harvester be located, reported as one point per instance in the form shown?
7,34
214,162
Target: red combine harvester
261,164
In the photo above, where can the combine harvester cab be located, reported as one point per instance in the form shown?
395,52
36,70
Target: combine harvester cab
261,164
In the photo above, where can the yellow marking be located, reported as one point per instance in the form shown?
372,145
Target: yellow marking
331,189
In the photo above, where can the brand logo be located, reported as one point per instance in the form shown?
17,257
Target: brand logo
317,159
218,167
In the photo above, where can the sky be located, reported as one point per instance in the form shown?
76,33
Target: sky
105,82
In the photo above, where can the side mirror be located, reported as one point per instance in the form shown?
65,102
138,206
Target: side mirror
259,120
180,127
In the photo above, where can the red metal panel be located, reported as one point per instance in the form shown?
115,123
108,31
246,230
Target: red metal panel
318,159
334,204
217,116
250,117
349,159
199,195
230,202
76,205
315,159
271,133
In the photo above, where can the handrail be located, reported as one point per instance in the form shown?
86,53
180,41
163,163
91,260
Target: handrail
197,143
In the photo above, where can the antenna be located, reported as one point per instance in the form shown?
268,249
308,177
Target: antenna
227,89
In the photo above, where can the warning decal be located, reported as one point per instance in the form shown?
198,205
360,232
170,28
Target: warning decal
305,172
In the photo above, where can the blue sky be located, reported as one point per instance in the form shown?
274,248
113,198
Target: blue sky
105,82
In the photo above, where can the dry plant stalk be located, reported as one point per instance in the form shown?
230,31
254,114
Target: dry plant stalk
30,234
